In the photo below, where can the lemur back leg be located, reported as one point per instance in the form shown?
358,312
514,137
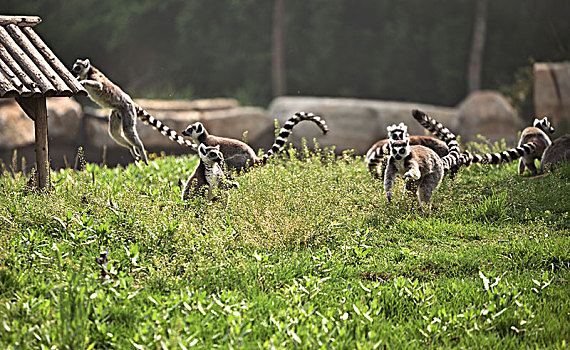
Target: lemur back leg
130,132
521,166
530,165
426,188
116,132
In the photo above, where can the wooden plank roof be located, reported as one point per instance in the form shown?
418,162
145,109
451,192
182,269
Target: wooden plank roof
28,68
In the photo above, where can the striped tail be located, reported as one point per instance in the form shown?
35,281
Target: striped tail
453,160
163,129
377,158
502,157
288,128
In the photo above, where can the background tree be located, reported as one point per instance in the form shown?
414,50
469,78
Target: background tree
411,50
477,46
278,56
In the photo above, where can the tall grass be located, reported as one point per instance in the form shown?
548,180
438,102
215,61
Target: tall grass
306,252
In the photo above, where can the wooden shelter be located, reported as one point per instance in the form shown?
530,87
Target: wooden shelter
30,72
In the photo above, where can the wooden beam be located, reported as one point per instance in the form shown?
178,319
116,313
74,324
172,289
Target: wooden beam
36,109
28,21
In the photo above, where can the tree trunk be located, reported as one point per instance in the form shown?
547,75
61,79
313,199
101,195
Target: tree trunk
278,56
477,46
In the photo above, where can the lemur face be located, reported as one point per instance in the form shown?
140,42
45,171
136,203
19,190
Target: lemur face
81,67
397,132
400,149
210,155
543,124
194,130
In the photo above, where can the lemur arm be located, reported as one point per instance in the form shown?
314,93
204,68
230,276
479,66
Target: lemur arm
389,175
413,172
91,83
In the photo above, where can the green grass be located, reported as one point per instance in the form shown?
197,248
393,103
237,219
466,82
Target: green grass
307,252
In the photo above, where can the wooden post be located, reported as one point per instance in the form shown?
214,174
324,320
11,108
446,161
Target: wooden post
36,109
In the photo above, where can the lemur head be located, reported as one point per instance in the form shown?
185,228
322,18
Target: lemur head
210,154
397,132
81,67
543,124
400,149
194,130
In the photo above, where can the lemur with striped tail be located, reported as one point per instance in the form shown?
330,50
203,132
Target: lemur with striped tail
209,174
122,119
419,166
536,134
238,155
375,156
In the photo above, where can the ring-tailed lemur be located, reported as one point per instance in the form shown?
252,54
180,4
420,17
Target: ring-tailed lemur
418,164
537,134
123,110
123,118
558,152
238,155
399,132
208,175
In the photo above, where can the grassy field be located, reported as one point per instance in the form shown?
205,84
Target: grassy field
306,253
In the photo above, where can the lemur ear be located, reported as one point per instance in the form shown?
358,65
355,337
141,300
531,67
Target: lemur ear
536,122
199,127
217,147
87,63
202,149
390,128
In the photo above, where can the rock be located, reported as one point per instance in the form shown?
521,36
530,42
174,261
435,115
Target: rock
354,123
64,118
552,93
16,129
187,105
488,113
558,152
224,122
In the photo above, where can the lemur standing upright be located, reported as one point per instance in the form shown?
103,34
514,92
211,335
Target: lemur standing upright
536,134
418,164
238,155
122,118
208,175
398,132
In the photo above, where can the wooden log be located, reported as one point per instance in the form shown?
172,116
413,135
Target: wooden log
26,63
36,109
38,59
54,62
6,87
14,81
28,21
17,73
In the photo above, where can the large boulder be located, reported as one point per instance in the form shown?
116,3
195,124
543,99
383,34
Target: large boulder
488,113
552,93
230,122
64,118
17,130
354,123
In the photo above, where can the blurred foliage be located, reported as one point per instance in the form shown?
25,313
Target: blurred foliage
403,50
